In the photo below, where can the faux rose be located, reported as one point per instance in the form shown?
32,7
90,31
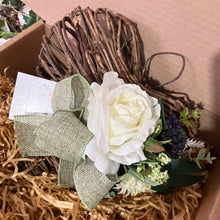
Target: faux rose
121,117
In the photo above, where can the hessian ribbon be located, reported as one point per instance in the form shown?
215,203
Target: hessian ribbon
65,135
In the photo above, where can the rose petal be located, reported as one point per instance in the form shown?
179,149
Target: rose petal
95,89
130,158
111,80
102,162
148,126
97,122
105,165
119,140
92,150
156,112
127,148
116,128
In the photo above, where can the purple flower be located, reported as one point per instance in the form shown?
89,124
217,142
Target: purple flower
176,133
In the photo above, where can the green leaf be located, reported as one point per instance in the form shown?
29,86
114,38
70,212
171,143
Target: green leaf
162,114
180,173
161,189
125,168
140,177
7,35
158,129
210,159
201,156
196,160
5,2
149,141
184,113
150,182
3,34
181,166
2,23
135,174
186,122
165,141
139,164
195,114
16,3
31,19
11,34
186,154
184,180
150,156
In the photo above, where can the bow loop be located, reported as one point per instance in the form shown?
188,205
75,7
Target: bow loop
63,136
71,94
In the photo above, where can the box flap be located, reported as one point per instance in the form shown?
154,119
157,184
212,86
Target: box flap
191,28
16,56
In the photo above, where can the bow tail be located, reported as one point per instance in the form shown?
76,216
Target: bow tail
91,184
65,173
24,126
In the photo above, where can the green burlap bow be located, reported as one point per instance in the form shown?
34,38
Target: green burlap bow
65,136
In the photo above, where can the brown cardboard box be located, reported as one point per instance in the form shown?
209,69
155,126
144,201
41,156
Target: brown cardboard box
21,52
190,28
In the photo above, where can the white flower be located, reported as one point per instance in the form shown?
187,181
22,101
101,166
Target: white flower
121,117
131,186
21,19
24,10
5,27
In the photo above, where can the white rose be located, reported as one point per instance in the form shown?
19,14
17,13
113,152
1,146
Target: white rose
121,117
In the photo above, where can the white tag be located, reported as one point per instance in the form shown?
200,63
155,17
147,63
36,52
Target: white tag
32,95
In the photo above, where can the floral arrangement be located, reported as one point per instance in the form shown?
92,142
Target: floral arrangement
131,131
113,138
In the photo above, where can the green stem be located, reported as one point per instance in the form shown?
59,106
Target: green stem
183,119
8,35
10,25
165,142
12,34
